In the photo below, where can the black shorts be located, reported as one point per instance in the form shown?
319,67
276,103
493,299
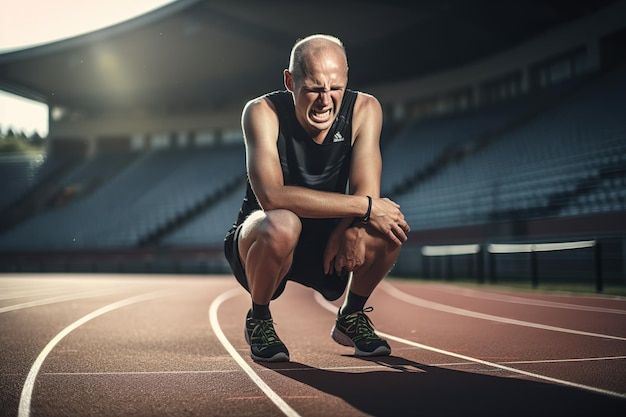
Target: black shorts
308,260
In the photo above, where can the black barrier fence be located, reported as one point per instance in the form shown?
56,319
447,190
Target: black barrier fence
595,262
587,251
590,261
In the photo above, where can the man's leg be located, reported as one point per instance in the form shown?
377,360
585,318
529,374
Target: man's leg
353,327
380,257
266,243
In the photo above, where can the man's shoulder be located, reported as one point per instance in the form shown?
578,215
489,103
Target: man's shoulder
367,117
268,102
259,110
366,103
366,99
278,94
265,101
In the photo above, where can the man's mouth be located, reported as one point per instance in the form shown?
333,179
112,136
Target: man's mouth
320,116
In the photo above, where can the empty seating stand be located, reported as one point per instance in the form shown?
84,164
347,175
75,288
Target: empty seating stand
566,161
569,160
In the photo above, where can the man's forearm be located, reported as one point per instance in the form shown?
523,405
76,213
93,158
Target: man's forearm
309,203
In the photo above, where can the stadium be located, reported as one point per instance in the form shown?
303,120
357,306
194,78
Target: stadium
521,143
504,142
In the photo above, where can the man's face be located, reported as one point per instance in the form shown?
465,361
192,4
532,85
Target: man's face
319,93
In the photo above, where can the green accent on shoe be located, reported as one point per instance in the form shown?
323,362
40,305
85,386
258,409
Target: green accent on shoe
356,329
265,345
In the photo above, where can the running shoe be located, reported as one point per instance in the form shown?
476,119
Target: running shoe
356,330
265,346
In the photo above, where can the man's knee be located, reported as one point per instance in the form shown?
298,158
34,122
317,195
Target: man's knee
379,248
280,231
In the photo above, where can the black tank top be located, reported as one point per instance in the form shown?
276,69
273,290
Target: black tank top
305,163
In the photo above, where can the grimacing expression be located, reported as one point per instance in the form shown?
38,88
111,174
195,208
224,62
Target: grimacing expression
319,92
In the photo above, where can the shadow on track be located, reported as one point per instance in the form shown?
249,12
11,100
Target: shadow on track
406,388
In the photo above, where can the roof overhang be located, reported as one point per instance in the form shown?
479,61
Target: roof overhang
217,54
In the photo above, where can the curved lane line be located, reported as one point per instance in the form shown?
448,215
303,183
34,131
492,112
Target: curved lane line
27,390
330,307
527,301
275,398
505,368
61,298
420,302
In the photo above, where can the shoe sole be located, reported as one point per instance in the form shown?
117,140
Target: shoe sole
343,339
279,357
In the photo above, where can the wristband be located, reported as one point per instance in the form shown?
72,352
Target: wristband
365,219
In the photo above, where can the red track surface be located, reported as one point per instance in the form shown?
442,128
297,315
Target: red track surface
94,345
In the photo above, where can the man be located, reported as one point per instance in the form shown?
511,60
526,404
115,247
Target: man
312,212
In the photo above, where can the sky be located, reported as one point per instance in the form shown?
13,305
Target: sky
28,23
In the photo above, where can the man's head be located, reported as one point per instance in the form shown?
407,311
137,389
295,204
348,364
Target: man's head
317,77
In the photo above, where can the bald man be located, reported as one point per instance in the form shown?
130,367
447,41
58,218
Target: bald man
312,212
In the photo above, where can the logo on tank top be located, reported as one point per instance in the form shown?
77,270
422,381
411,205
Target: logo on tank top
338,137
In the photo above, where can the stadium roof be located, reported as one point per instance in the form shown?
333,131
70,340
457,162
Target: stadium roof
217,54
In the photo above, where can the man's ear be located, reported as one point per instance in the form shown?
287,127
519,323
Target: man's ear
288,80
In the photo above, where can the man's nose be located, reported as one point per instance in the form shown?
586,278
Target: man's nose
324,97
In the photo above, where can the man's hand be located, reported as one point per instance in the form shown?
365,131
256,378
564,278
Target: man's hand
387,218
345,251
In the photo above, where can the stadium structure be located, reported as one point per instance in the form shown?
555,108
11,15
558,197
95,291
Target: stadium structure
504,137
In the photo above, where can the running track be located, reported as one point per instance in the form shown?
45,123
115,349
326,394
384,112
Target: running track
112,345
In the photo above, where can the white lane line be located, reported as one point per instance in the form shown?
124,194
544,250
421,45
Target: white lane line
328,368
27,390
275,398
504,368
61,298
394,292
330,307
8,294
605,358
216,371
528,301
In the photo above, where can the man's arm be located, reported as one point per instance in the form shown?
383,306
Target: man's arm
346,250
260,128
366,169
366,166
